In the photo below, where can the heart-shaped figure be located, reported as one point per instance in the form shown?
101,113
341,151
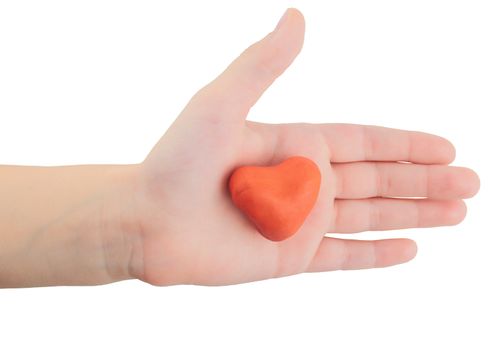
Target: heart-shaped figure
277,199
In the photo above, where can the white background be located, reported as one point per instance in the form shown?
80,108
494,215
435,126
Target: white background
100,81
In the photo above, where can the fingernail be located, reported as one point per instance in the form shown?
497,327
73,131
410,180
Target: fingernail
282,20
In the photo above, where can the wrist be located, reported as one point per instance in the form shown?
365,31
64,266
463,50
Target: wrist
120,222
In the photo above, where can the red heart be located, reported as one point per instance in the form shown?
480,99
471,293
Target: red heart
277,199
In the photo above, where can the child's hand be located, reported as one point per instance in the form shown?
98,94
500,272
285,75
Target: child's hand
192,233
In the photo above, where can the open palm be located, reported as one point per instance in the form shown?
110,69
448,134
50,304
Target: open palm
192,233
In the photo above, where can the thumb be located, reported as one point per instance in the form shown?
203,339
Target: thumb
231,95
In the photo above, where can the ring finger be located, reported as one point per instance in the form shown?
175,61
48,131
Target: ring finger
380,214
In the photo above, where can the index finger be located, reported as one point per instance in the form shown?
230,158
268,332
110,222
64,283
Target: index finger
356,143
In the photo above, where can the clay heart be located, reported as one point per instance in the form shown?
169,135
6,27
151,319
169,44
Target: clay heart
277,199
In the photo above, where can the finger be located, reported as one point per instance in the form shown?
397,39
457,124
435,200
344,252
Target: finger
352,143
345,254
394,214
374,179
230,96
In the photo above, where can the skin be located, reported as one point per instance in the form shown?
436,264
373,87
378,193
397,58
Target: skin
169,220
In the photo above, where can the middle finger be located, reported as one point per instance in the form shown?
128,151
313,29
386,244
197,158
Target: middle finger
382,179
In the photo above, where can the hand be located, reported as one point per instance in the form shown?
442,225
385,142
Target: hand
190,230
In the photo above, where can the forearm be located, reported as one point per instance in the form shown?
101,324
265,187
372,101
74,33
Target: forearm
71,225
